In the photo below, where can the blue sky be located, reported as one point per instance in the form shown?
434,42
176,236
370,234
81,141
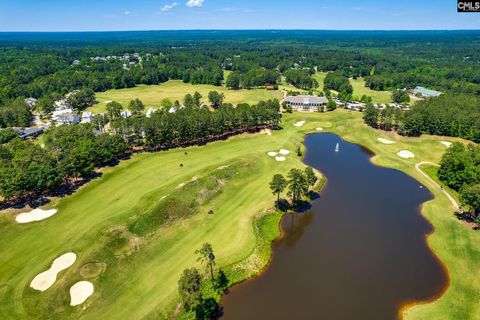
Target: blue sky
97,15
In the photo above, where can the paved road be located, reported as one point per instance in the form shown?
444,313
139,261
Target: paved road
452,200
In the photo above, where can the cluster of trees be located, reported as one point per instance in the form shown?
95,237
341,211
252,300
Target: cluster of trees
68,153
339,83
15,113
400,96
300,79
252,78
195,300
297,184
81,99
446,115
387,118
194,125
460,170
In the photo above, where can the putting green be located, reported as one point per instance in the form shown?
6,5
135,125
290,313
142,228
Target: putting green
138,275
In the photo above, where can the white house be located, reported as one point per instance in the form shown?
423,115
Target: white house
305,102
150,111
31,102
65,116
87,117
126,113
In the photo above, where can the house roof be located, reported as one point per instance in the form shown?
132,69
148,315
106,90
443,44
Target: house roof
426,92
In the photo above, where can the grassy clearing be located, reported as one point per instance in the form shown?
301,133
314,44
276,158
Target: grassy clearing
320,76
359,89
176,90
128,267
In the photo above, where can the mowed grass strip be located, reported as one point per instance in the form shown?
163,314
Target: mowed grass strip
145,282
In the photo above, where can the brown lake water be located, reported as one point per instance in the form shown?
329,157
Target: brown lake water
358,253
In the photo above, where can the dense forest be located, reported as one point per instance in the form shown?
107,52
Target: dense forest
46,65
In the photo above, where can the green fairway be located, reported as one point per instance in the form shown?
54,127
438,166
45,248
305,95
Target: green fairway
359,90
320,76
152,95
138,275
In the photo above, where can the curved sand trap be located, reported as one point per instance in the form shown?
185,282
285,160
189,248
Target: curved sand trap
80,292
46,279
299,124
280,158
272,154
385,141
446,143
35,215
284,151
406,154
319,129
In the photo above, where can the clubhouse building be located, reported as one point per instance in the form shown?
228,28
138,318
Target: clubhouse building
305,102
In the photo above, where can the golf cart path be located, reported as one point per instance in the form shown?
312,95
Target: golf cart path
452,200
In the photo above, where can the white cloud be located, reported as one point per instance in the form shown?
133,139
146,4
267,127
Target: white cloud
169,7
127,13
195,3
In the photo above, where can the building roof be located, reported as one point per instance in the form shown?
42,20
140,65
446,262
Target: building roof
426,92
126,113
305,99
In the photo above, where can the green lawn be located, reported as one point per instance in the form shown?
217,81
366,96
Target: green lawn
359,90
141,273
175,90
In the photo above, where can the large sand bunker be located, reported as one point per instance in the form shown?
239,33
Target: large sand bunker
272,154
280,158
405,154
299,124
385,141
35,215
46,279
446,143
80,292
284,151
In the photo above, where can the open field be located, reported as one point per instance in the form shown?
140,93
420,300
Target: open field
176,90
138,274
359,90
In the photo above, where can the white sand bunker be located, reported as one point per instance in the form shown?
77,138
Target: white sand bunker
385,141
405,154
284,151
280,158
46,279
299,124
267,132
80,292
446,143
319,129
35,215
272,154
